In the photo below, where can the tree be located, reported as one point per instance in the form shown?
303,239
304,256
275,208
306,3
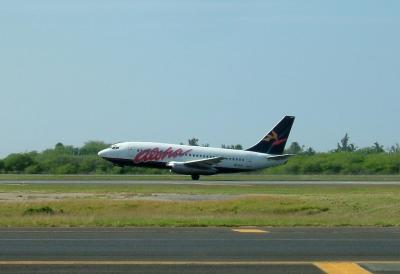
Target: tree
375,148
1,165
193,142
345,145
17,162
68,168
309,151
378,148
394,149
237,146
59,146
93,147
33,169
294,148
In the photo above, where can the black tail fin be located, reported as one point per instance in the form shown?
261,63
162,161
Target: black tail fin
275,141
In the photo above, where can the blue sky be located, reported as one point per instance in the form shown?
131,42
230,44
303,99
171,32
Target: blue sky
223,71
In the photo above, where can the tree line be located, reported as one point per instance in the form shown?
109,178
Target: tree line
346,158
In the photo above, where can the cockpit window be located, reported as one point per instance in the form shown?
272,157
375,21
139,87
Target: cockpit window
114,147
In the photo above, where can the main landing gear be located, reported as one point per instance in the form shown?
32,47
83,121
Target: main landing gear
195,177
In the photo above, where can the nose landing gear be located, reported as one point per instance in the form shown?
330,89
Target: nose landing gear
195,177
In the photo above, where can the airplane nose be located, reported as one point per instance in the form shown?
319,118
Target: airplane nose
102,153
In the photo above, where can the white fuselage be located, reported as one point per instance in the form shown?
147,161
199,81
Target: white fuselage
160,155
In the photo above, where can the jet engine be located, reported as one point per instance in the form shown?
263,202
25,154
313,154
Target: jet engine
182,168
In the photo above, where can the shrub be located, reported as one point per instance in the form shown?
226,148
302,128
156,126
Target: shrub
41,210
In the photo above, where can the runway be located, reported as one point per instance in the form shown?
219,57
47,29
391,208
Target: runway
201,182
199,250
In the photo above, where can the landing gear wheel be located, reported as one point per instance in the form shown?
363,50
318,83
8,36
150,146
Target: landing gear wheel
195,177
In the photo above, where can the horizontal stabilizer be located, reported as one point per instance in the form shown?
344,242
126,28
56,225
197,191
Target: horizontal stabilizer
280,157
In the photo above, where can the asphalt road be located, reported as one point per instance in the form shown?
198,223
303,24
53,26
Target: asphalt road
299,244
190,182
195,250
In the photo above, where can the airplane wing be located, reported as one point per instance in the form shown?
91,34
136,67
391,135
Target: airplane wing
204,163
203,166
280,157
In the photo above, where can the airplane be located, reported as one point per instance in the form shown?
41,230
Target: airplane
196,160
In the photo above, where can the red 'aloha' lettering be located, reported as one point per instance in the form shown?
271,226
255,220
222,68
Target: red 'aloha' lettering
156,154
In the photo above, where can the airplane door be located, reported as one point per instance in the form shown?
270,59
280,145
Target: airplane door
249,162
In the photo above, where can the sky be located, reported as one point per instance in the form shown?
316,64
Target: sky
223,71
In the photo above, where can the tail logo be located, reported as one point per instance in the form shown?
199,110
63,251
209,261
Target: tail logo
273,136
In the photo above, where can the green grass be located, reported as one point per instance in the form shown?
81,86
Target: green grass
268,205
223,177
147,189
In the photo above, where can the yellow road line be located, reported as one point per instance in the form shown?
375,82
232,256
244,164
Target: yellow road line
249,230
341,268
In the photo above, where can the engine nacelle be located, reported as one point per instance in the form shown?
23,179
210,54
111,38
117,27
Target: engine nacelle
181,168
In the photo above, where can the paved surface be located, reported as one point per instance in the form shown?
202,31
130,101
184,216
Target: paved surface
189,182
299,244
176,269
197,250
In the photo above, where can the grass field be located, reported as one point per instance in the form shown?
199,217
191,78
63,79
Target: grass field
259,205
223,177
